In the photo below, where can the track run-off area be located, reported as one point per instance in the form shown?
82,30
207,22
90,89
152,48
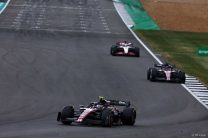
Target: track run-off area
57,52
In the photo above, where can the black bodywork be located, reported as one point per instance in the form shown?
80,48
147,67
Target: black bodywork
165,72
96,113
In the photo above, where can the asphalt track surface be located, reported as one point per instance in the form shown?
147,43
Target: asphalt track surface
56,52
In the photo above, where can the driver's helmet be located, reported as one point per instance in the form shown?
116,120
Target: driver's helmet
103,101
166,64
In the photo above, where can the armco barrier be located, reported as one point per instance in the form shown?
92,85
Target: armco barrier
140,17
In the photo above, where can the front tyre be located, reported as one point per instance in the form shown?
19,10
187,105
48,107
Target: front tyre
67,112
153,73
107,118
113,50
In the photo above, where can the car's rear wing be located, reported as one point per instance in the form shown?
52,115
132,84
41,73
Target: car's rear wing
120,103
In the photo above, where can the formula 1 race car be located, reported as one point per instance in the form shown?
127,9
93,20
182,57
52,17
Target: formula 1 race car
124,48
165,72
105,113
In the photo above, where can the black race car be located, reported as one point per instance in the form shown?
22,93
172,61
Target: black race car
165,72
104,113
124,49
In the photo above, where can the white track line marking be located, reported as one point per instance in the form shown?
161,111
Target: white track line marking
193,83
201,93
118,7
193,87
192,80
199,90
5,6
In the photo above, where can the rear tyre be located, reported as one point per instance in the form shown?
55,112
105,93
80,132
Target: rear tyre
107,118
128,116
67,112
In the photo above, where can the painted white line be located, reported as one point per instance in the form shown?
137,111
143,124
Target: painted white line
106,28
192,80
84,31
204,88
194,85
81,16
189,76
118,9
198,90
206,100
16,22
18,17
103,20
35,27
201,93
198,99
5,6
203,98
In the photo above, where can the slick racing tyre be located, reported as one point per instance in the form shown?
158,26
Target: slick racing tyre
153,73
67,112
128,116
148,74
182,77
137,52
107,118
113,50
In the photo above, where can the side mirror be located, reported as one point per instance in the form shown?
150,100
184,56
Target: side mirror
128,104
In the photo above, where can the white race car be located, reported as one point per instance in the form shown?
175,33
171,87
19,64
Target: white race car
124,49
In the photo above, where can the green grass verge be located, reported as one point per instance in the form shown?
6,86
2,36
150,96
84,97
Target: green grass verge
180,48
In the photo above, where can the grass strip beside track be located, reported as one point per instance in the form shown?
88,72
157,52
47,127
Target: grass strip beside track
138,14
180,48
2,4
